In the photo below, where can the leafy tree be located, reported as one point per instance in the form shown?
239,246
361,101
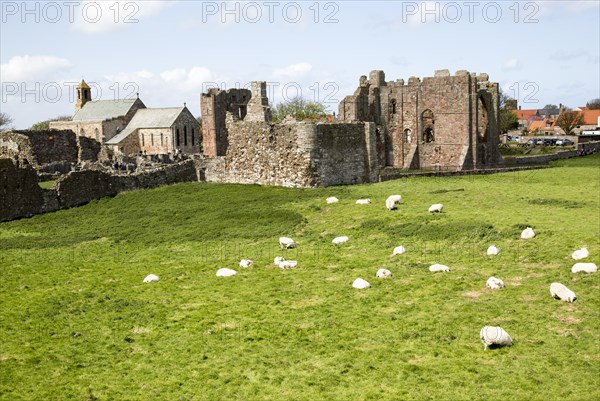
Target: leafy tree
508,119
5,122
593,104
568,120
550,106
45,125
300,109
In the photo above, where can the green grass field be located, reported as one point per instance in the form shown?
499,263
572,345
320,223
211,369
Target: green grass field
77,323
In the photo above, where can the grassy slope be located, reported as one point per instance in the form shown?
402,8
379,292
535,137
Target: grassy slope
77,323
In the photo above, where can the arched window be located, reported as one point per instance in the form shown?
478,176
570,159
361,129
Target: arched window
97,133
143,144
407,135
177,140
193,136
161,139
394,106
152,139
185,135
428,124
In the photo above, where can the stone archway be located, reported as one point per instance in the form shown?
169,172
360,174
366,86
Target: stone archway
428,124
483,125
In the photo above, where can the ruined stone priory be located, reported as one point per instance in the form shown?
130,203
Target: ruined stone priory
445,122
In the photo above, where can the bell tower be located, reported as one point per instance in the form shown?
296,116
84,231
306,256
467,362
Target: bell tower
84,95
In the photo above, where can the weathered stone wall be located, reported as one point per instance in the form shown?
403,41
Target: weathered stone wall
21,196
88,149
39,147
542,159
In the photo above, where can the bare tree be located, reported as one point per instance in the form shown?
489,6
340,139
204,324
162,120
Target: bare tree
568,120
5,122
593,104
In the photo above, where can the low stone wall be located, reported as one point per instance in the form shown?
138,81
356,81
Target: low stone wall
545,159
21,196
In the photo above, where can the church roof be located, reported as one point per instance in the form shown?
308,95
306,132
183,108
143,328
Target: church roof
148,118
104,109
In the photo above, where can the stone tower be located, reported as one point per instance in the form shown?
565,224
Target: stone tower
84,95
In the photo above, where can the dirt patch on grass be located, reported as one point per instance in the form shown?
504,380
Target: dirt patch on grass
568,319
140,330
529,298
473,295
515,281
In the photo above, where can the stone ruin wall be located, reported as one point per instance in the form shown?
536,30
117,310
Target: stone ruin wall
21,196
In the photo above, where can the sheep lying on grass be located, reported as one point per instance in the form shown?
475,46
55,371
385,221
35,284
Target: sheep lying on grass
332,199
245,263
527,233
360,284
494,336
559,291
363,201
494,283
383,273
584,267
492,250
439,268
580,254
288,264
340,240
392,200
287,243
151,278
436,208
225,272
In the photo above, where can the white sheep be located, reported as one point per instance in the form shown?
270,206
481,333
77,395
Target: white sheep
494,283
383,273
363,201
527,233
332,199
436,208
493,250
278,260
288,264
399,250
151,278
286,242
584,267
559,291
225,272
580,254
439,268
494,336
245,263
392,200
340,240
360,284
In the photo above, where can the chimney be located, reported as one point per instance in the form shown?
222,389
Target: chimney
519,107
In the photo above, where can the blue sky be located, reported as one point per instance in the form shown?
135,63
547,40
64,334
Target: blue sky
540,52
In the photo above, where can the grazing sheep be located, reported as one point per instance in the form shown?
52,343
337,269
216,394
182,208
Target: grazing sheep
286,242
580,254
492,250
288,264
383,273
360,284
439,268
584,267
494,336
436,208
225,272
399,250
559,291
245,263
340,240
494,283
392,200
278,260
151,278
527,233
332,199
363,201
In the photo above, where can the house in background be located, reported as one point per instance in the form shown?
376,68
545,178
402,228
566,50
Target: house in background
99,119
158,131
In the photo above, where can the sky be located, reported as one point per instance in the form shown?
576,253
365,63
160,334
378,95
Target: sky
171,51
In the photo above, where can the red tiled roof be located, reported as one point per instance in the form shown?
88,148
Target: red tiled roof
524,114
590,117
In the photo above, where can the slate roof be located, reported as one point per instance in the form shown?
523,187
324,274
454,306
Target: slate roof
104,109
148,118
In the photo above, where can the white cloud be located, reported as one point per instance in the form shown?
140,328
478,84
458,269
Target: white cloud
292,71
511,65
106,16
32,68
